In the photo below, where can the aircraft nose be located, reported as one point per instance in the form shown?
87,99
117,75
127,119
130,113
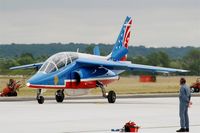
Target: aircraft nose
36,79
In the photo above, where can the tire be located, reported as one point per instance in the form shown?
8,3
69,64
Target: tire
12,94
111,97
192,90
40,99
59,96
15,93
127,129
197,89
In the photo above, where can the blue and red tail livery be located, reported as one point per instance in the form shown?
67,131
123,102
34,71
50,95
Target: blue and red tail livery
75,73
120,48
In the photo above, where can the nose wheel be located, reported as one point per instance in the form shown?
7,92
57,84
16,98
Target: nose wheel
111,95
39,97
59,96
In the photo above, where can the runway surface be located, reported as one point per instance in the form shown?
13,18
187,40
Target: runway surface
153,115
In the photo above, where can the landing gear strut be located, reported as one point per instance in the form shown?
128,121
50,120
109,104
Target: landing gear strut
39,97
59,96
111,95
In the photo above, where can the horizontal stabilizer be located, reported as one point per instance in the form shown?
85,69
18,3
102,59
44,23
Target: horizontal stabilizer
96,50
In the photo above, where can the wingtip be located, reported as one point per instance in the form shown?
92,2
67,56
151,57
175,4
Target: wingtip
186,71
11,68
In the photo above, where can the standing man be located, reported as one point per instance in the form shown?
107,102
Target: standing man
184,99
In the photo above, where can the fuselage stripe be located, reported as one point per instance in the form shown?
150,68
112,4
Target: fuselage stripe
72,81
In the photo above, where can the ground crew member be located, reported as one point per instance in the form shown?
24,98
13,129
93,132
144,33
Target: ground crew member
12,84
184,99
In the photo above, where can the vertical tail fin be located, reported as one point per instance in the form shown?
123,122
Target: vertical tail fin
120,48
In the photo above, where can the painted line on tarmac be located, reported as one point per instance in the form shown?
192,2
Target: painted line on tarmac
89,131
144,128
167,127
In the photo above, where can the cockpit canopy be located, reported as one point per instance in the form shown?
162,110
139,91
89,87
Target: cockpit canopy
58,61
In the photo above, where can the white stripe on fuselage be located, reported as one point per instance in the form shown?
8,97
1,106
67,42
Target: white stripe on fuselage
82,80
93,79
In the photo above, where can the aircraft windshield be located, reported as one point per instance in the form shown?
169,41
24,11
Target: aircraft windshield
58,61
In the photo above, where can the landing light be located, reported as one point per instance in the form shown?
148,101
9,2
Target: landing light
28,84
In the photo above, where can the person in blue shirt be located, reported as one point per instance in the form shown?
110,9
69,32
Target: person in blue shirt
184,102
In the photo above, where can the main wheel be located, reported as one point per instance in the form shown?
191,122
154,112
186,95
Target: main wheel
60,96
40,99
111,97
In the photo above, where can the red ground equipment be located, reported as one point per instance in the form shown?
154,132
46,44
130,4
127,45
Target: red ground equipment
11,91
128,127
147,78
195,87
131,127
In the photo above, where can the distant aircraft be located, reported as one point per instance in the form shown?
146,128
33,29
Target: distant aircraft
77,73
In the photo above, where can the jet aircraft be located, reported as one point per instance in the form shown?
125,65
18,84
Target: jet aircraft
76,73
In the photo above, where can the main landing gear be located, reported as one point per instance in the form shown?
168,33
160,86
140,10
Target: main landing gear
111,95
59,96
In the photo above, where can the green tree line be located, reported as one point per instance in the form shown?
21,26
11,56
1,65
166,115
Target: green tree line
191,61
37,50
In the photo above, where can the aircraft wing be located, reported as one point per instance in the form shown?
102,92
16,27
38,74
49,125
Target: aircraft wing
124,65
138,67
36,65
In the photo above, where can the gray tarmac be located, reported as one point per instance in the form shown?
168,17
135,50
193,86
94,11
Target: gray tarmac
91,115
153,95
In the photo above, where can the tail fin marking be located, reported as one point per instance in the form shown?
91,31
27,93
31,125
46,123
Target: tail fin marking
119,52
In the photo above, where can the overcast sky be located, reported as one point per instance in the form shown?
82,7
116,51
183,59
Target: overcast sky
157,23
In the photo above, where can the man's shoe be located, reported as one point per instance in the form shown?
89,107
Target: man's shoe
181,130
187,130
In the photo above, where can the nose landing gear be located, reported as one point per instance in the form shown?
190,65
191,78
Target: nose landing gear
39,97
